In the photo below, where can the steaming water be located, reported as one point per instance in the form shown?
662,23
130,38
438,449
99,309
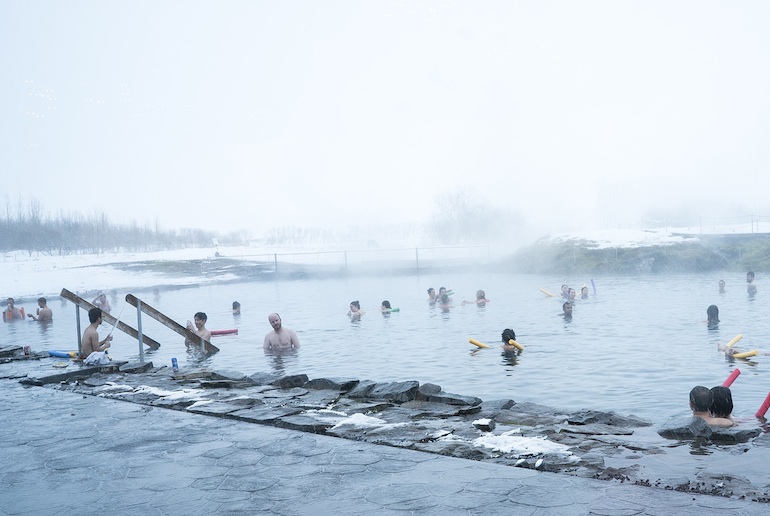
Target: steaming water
637,347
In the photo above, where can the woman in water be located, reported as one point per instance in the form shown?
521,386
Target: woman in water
355,312
713,316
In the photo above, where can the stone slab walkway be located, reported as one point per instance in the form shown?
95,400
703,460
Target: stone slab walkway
65,453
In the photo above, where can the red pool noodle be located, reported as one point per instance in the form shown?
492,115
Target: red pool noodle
763,409
732,377
214,333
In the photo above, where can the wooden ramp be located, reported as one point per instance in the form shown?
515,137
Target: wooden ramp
85,305
171,324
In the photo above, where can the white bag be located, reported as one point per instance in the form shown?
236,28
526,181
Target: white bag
97,358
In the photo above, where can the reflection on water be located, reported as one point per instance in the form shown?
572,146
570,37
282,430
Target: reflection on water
636,347
278,359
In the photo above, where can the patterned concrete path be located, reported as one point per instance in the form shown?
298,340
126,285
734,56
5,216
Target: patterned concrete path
64,453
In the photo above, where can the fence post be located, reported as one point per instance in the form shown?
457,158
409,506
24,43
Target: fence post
139,329
77,318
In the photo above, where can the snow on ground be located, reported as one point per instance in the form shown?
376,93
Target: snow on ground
29,277
630,238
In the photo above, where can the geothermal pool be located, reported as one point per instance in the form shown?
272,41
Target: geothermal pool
637,347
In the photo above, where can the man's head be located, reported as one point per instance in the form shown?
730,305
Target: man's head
10,302
700,399
749,277
200,319
567,307
95,314
275,321
41,302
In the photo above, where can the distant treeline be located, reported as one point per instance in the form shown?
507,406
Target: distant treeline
25,228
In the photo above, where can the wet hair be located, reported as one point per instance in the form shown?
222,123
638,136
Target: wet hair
431,290
508,334
386,303
356,304
700,398
750,274
444,299
566,304
442,289
201,316
480,294
94,314
713,314
721,402
236,304
42,300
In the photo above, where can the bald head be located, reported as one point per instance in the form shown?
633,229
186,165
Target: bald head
275,321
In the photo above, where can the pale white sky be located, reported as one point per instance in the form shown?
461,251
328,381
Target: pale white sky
229,115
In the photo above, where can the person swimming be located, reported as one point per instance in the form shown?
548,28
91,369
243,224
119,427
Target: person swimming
712,312
355,312
721,402
509,335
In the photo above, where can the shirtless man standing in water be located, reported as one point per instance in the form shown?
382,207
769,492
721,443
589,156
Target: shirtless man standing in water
280,338
91,341
199,329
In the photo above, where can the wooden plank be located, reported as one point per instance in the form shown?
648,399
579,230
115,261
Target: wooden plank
125,328
171,324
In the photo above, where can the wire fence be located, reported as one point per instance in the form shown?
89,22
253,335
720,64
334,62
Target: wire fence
354,260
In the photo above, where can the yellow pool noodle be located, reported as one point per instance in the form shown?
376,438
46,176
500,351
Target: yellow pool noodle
544,291
735,339
477,343
746,354
514,343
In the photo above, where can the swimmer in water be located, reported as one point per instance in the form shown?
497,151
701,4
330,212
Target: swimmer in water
508,349
712,312
584,292
751,288
481,299
567,310
432,296
721,286
701,399
721,402
355,312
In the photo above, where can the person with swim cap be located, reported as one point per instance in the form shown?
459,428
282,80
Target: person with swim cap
280,339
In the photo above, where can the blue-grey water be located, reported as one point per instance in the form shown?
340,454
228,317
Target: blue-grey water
637,347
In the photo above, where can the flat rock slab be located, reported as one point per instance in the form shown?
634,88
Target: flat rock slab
264,414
